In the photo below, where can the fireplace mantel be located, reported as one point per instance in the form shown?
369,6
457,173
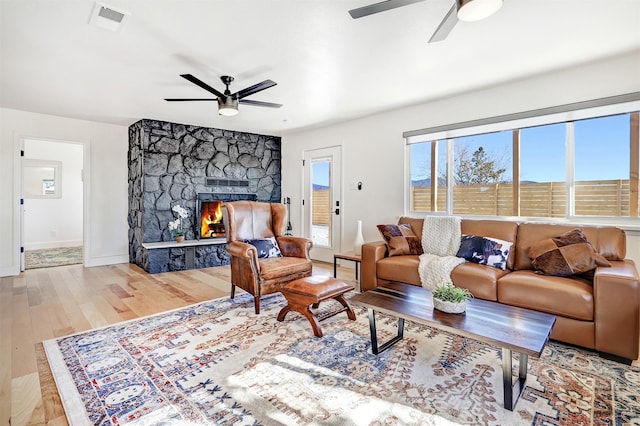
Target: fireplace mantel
185,243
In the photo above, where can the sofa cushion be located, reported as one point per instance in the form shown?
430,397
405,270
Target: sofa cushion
480,280
266,247
485,250
568,297
400,239
565,255
403,269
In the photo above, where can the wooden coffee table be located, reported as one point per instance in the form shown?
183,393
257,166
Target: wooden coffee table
508,327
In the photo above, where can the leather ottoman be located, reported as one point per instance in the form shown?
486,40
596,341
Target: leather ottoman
305,292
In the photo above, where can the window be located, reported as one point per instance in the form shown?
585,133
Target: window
482,174
428,165
586,167
602,166
42,178
543,171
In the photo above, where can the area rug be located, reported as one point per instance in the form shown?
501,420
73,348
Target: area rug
219,363
47,258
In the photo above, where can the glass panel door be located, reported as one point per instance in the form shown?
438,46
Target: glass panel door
322,202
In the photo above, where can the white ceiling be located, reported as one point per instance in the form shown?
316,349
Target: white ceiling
328,67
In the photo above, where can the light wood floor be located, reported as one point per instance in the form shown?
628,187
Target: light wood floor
42,304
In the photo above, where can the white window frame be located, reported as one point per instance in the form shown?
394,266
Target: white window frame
627,104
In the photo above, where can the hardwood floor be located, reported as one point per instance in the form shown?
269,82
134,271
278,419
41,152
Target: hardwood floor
42,304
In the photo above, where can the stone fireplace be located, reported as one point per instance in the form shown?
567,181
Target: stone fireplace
176,164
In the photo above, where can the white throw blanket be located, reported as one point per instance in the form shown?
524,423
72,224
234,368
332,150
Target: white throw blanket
440,242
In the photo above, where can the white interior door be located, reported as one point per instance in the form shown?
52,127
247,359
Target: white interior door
322,184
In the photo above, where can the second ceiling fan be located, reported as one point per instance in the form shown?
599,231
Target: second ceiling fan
463,10
227,101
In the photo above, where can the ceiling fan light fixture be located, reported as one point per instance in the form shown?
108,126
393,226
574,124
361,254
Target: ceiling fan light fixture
476,10
227,106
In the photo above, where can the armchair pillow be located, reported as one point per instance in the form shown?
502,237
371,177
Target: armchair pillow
266,247
400,239
565,255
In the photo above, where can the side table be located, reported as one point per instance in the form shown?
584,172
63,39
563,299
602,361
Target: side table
348,255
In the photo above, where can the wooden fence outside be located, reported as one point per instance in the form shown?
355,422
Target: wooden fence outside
321,207
545,199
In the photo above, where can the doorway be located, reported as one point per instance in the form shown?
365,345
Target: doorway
52,214
322,186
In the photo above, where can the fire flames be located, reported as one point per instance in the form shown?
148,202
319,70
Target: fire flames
211,219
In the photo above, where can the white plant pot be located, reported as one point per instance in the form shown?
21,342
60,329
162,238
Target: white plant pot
449,307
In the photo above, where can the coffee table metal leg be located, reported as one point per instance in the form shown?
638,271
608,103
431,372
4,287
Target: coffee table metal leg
513,389
374,334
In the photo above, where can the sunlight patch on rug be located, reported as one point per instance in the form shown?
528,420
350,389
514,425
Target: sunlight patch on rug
219,363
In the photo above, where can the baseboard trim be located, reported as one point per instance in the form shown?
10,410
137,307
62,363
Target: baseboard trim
106,260
9,272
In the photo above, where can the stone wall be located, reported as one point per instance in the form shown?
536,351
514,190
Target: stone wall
169,164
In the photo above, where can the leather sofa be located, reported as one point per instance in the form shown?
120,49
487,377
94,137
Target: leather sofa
602,314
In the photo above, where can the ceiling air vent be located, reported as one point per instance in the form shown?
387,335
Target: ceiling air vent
225,182
107,17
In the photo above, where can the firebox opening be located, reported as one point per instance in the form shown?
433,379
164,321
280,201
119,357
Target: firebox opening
211,225
209,212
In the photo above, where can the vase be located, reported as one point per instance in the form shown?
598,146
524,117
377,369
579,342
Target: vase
179,238
449,307
357,244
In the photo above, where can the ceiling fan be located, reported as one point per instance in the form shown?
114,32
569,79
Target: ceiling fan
463,10
227,101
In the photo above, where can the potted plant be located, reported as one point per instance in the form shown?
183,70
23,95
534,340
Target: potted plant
450,299
176,225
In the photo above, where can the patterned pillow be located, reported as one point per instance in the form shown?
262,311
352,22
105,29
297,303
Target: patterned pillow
266,247
565,255
485,251
400,239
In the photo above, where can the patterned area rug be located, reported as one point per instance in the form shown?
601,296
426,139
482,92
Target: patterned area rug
47,258
219,363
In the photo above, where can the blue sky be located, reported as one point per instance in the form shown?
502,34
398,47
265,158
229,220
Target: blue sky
321,173
601,150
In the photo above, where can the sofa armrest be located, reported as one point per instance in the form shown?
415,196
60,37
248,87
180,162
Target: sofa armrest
294,246
617,312
371,253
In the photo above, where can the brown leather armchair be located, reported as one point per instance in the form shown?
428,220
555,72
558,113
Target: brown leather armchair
250,220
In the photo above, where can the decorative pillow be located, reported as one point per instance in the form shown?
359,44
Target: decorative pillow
400,239
266,247
485,250
565,255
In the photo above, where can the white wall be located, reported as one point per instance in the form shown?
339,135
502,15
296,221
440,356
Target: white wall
105,185
373,147
55,222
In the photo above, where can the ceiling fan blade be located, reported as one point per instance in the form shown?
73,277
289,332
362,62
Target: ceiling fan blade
259,103
202,84
254,89
188,99
379,7
450,20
